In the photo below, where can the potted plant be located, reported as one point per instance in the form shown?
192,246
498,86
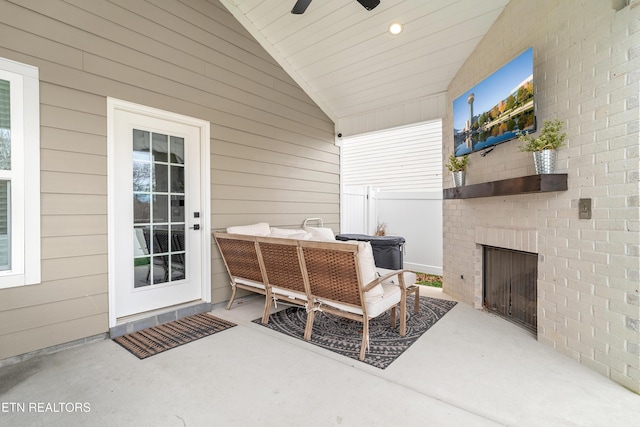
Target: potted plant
458,167
544,146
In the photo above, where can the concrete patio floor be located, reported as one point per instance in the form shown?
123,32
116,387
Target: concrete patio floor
470,369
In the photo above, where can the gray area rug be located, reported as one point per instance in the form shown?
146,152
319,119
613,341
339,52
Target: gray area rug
343,336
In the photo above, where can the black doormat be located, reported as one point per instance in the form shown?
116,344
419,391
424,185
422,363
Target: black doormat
343,336
157,339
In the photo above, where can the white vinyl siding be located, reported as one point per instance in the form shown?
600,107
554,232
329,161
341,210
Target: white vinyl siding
407,158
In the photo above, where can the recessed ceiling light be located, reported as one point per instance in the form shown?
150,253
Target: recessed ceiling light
395,28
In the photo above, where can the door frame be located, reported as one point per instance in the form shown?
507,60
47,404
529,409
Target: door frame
114,105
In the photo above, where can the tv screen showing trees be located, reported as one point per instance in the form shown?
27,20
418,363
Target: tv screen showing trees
497,108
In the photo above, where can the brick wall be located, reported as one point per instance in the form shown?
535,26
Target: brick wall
586,73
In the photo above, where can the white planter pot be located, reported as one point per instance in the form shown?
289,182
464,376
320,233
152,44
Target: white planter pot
459,178
544,161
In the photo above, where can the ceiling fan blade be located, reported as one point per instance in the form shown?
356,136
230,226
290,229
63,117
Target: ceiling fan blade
300,7
369,4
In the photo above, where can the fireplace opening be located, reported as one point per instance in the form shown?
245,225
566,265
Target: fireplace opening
510,285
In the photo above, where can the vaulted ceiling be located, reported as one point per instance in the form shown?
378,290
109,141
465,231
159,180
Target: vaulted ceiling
346,60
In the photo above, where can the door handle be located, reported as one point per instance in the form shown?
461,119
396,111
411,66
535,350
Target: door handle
195,227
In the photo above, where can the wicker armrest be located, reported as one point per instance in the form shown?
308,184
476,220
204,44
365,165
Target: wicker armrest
399,273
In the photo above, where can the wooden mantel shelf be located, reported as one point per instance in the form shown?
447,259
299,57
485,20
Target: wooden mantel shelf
507,187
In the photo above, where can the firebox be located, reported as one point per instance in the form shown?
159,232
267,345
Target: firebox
510,285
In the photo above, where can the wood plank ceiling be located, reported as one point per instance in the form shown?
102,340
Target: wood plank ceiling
346,60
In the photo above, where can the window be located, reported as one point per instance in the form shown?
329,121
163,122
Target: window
19,174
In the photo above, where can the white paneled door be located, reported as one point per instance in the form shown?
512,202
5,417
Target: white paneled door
157,213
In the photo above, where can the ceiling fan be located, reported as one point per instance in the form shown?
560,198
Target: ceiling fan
301,5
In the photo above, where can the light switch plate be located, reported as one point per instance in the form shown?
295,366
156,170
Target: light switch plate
584,209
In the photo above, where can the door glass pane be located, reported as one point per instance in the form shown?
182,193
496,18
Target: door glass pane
177,238
178,266
141,250
177,179
177,208
141,176
161,239
160,208
141,240
5,126
141,208
141,272
177,252
141,145
161,174
160,147
159,213
177,150
160,269
5,226
161,247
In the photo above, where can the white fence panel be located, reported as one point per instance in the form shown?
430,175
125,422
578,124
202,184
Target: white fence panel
359,210
416,216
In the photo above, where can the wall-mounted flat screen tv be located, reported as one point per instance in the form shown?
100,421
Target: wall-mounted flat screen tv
497,108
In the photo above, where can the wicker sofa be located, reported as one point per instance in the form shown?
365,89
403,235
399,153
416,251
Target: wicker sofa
315,272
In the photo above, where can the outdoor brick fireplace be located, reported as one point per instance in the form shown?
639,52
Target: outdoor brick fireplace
510,285
587,268
506,274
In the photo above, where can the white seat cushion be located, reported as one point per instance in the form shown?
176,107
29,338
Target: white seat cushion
277,232
375,306
300,236
258,229
368,269
290,233
248,282
322,234
391,297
